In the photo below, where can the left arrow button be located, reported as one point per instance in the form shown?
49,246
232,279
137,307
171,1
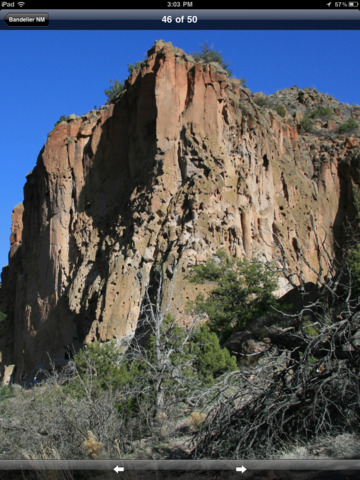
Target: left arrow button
118,469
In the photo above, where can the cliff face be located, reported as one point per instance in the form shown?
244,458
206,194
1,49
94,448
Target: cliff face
183,163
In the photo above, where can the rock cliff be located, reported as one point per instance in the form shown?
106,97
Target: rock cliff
185,161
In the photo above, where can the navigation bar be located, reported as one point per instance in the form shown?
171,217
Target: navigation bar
182,19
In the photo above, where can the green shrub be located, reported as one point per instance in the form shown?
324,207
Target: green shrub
61,119
198,357
132,68
243,291
187,361
281,110
101,367
321,112
307,125
211,360
263,101
310,329
116,88
348,127
208,55
6,391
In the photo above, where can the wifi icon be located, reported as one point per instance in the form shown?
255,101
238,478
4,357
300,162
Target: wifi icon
21,4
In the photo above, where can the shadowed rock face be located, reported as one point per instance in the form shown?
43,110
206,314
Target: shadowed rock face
183,163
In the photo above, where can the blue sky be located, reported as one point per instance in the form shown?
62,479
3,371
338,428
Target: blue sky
46,74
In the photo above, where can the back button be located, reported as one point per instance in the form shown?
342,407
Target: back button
27,19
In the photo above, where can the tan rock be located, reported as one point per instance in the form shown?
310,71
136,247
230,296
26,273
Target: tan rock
8,372
16,229
183,164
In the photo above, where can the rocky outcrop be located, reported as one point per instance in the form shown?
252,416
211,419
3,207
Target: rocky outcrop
182,163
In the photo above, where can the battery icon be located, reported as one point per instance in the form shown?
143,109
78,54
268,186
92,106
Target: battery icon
353,4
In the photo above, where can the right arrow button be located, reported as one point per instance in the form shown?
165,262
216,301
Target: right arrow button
241,469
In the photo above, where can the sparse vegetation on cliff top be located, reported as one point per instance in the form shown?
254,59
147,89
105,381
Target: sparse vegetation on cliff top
116,88
208,54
